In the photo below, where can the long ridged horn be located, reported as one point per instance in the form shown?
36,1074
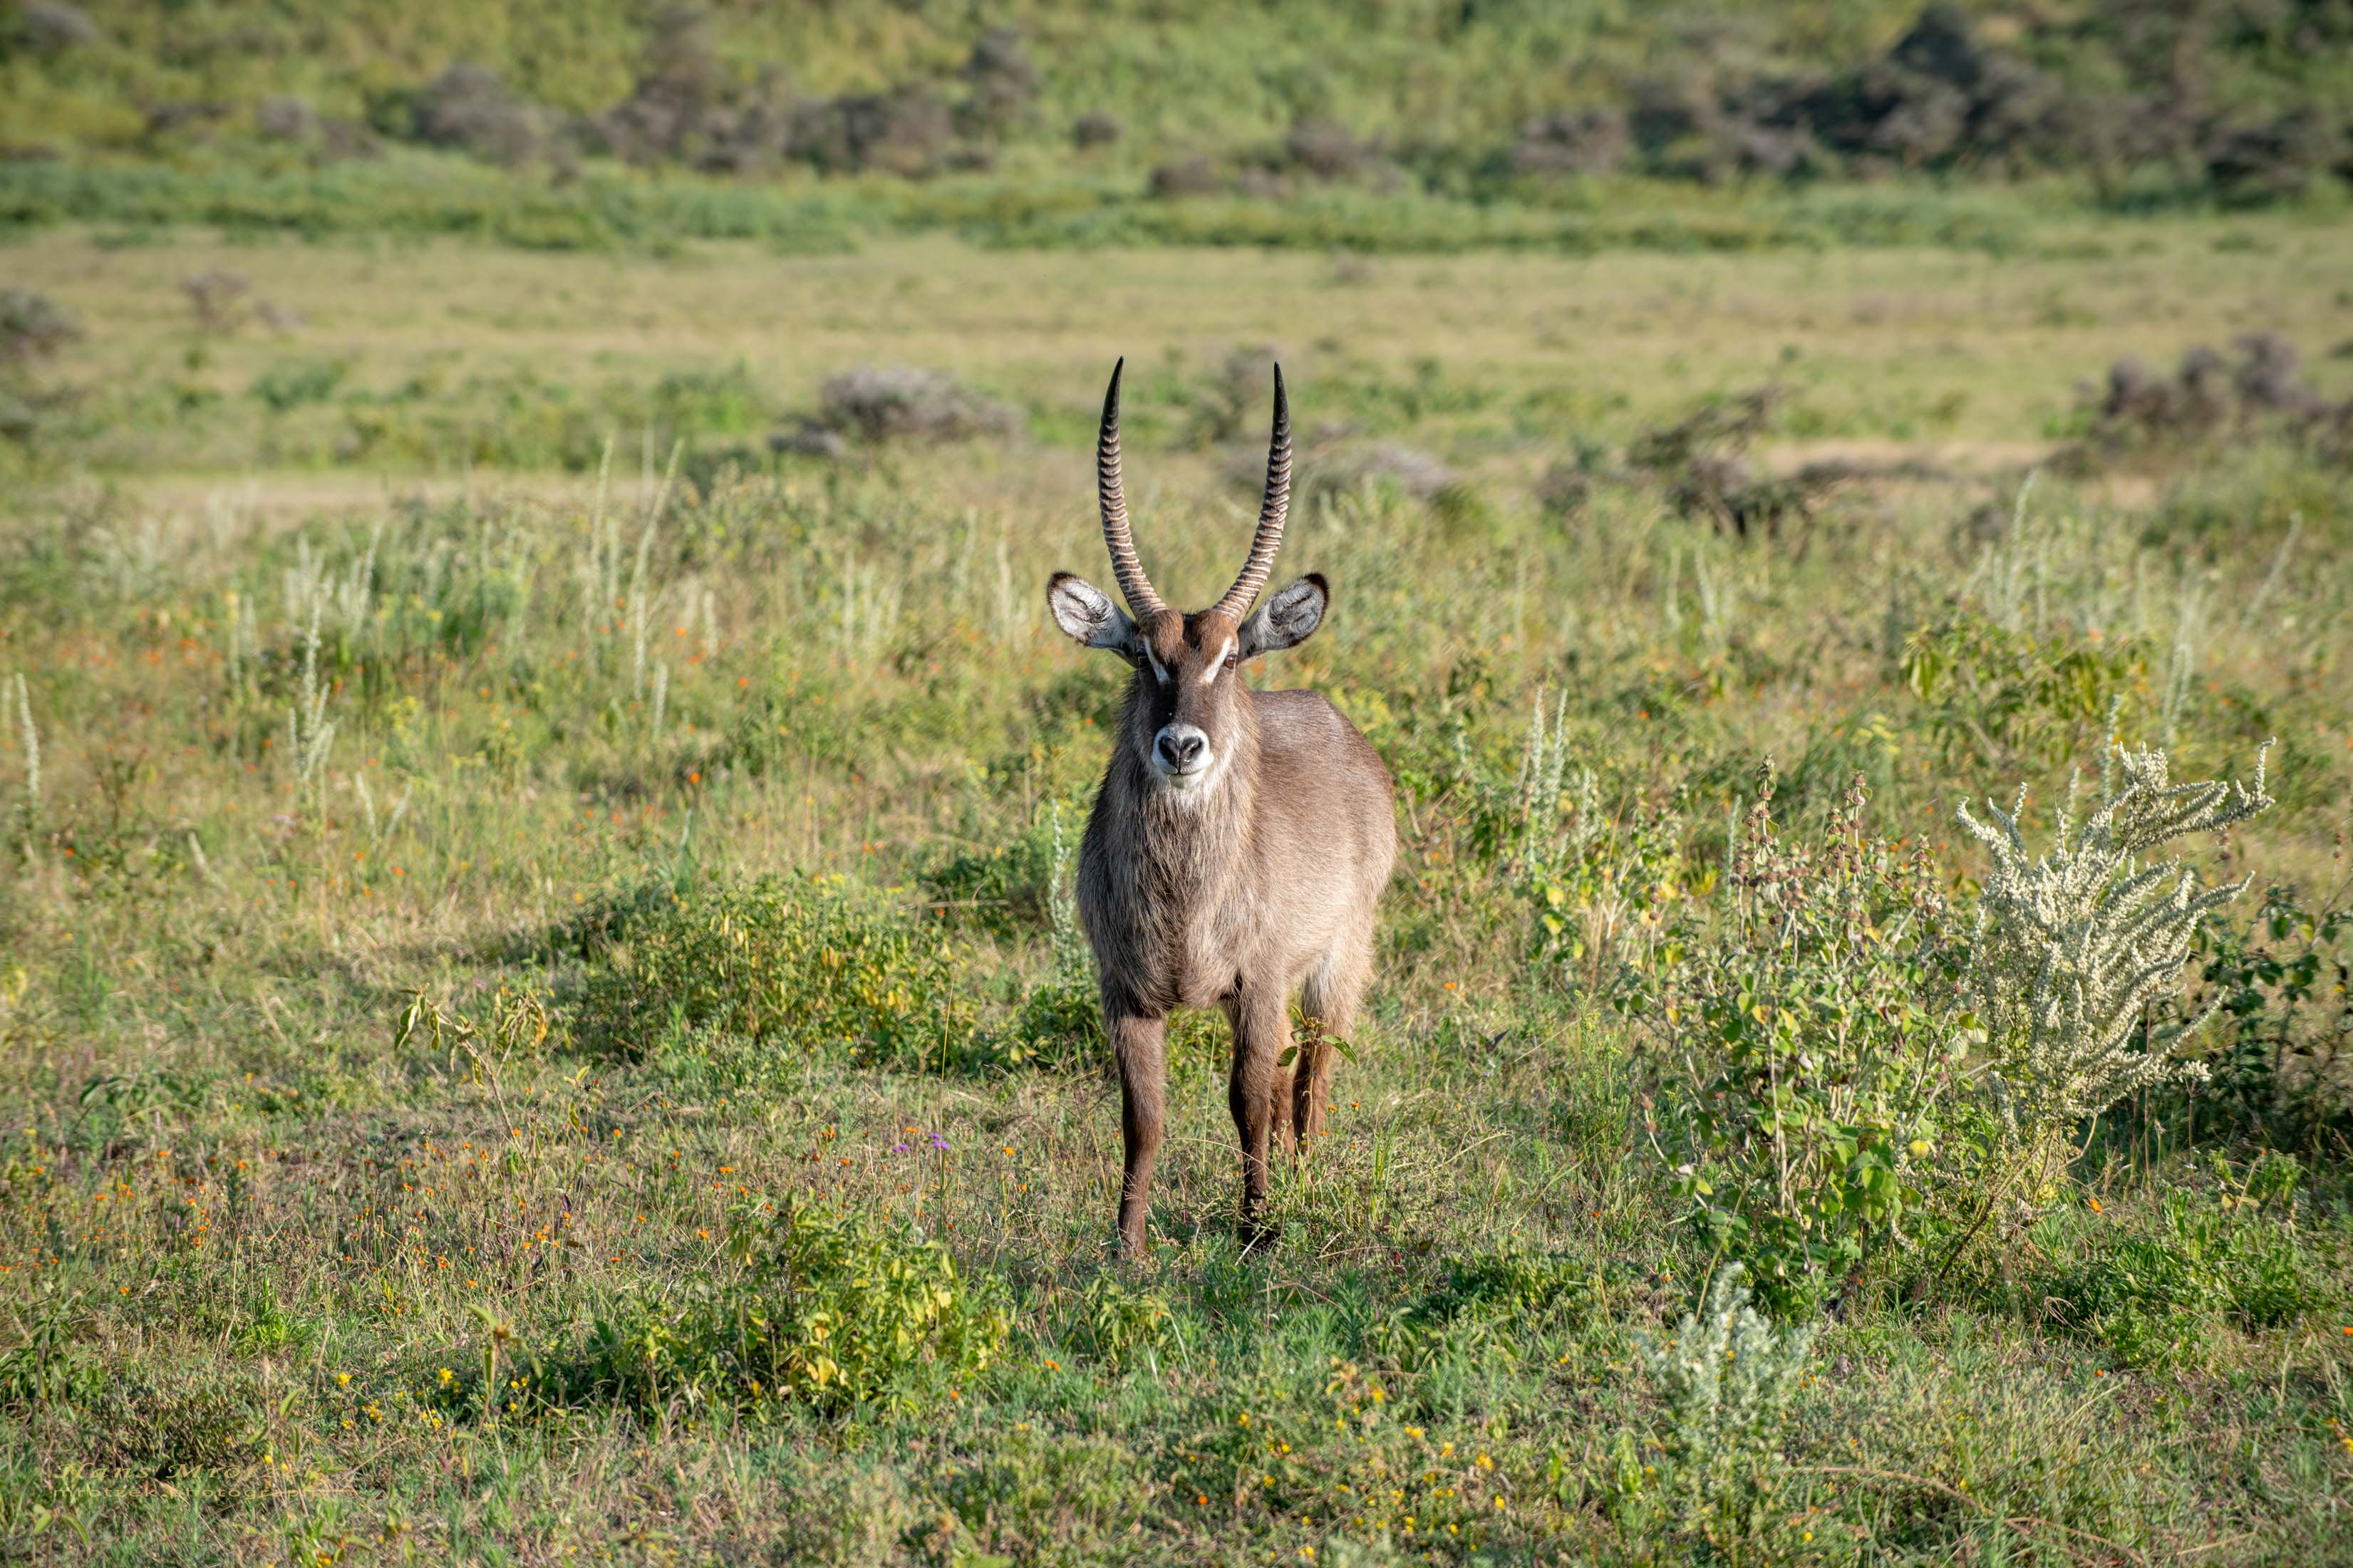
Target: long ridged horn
1270,514
1125,566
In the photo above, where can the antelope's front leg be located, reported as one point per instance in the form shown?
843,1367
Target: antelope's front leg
1261,1030
1139,1046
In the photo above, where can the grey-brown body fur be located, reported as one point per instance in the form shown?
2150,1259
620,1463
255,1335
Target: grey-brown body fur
1269,878
1261,889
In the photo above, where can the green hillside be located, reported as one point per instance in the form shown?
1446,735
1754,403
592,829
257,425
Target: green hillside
1484,99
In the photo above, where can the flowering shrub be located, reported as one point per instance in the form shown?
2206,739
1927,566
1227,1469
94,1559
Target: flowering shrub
2076,963
1842,1056
1810,1052
813,962
833,1311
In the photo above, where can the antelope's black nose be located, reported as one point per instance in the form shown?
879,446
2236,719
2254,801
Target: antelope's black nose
1181,748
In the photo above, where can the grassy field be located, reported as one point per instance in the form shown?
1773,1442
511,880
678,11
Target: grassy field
442,356
538,1016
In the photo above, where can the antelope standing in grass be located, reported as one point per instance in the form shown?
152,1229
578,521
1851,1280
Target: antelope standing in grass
1239,843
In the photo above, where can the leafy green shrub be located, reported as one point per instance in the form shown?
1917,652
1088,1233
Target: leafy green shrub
1117,1321
2000,695
1729,1380
837,1311
2283,1071
295,383
1507,1300
818,963
2152,1292
1005,889
1811,1051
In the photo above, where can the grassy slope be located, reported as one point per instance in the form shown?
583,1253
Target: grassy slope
238,1353
1215,77
1219,75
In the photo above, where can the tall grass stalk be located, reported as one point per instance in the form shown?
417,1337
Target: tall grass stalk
237,639
643,597
2182,658
28,740
310,734
599,566
2251,616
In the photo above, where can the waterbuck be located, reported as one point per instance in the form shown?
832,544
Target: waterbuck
1239,843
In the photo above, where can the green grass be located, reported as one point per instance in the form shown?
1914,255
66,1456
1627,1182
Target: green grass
449,1154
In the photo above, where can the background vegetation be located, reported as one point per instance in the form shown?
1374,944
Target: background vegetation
540,1010
1389,126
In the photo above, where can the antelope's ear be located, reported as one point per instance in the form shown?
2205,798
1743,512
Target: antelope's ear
1091,619
1288,618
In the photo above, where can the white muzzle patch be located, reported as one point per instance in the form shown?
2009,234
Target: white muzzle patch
1181,755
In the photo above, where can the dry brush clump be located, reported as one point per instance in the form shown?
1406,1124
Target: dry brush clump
877,404
1700,467
1341,464
469,107
686,105
1944,96
34,329
1317,149
2254,388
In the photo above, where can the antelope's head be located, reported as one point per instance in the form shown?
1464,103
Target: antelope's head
1189,698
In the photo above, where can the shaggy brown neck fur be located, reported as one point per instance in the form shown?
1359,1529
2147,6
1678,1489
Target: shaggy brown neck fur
1188,847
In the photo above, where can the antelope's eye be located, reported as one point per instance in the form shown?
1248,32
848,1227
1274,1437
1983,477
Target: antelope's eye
1233,657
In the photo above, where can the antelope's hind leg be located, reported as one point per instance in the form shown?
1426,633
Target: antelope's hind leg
1328,1002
